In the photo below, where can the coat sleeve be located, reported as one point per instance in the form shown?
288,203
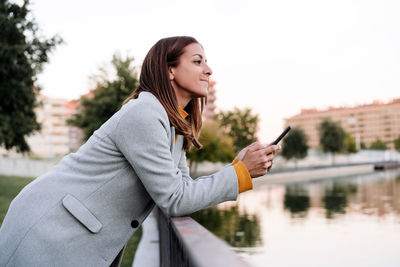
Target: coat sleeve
182,165
185,170
142,137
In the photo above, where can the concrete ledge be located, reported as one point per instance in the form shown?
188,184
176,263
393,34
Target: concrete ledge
317,174
148,251
202,248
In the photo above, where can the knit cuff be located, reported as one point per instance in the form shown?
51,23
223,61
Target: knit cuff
243,176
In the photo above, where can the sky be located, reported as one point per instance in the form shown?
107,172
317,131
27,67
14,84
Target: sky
275,57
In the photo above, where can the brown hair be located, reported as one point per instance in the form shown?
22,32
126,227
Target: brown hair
154,78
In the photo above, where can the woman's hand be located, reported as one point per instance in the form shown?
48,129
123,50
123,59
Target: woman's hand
258,158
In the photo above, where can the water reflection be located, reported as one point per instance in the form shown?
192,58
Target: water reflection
296,201
335,200
238,229
357,217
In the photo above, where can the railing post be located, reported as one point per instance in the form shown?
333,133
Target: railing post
165,236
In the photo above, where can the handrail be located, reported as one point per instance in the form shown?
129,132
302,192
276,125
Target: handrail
184,242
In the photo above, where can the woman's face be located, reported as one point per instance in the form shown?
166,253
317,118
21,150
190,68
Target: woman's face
190,78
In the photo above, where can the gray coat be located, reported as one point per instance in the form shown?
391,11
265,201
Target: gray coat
83,212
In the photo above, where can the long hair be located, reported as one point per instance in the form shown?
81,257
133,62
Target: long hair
154,78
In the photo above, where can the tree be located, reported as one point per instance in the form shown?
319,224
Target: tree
331,136
23,53
396,143
295,144
108,96
378,145
217,146
241,125
350,144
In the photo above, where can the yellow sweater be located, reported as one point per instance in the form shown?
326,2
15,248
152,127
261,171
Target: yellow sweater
243,175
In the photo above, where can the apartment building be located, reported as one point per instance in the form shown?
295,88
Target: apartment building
365,123
209,109
75,134
52,140
56,138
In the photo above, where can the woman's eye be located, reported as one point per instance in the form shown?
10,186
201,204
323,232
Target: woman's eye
197,62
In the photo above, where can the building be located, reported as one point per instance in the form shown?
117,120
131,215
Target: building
75,134
52,140
366,123
209,109
56,138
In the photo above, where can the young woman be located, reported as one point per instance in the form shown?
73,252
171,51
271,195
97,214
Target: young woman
84,210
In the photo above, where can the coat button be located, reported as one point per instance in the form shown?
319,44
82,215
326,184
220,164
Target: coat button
134,224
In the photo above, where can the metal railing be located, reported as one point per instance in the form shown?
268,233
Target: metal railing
185,243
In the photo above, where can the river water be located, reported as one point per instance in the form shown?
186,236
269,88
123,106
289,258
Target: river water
345,221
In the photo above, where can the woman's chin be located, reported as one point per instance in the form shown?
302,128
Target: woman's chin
200,94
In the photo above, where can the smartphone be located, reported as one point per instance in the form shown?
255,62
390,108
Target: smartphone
282,135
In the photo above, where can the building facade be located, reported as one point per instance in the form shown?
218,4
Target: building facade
75,134
56,138
366,123
209,109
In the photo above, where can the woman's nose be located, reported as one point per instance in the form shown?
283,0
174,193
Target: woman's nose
208,70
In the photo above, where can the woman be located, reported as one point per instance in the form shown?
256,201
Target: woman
86,208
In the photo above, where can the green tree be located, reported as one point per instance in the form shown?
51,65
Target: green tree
378,145
331,137
108,96
396,143
23,53
350,145
295,144
241,125
217,146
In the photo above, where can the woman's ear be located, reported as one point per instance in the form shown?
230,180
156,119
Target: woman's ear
171,73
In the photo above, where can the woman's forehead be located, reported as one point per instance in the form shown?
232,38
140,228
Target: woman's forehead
194,49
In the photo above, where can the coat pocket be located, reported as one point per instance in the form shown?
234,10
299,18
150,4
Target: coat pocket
81,213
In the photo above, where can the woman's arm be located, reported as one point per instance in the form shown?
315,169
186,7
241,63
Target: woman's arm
142,137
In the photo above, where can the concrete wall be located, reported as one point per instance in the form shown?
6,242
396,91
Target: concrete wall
24,167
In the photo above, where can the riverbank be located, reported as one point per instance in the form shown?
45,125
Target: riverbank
310,174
